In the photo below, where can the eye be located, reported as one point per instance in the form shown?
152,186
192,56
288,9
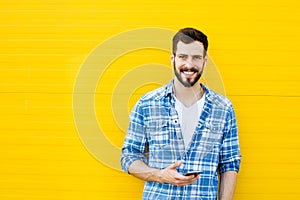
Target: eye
182,56
197,57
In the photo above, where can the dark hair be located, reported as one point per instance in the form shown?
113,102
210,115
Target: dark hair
189,35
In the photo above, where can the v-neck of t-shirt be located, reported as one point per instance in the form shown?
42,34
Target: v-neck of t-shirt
188,118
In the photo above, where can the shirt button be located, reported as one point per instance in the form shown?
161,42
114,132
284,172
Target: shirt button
175,121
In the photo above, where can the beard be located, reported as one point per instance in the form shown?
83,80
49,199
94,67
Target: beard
187,82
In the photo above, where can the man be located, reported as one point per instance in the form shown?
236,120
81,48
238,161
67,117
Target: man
183,135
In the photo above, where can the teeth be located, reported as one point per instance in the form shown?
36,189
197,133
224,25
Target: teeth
186,72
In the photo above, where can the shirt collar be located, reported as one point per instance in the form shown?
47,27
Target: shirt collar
169,90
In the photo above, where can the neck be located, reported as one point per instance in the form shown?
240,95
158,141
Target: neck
188,95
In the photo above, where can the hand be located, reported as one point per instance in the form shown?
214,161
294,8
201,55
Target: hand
171,176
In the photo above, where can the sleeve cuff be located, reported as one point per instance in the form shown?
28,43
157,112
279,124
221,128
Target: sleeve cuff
230,166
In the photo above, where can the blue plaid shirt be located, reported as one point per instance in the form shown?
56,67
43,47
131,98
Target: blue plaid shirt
154,136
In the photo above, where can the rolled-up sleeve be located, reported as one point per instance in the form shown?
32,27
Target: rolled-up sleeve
229,159
134,146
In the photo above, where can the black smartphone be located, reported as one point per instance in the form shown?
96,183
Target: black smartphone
191,173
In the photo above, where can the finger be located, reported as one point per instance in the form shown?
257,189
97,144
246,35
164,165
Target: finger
187,179
181,177
194,177
175,165
184,182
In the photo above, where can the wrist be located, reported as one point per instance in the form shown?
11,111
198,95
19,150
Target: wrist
155,176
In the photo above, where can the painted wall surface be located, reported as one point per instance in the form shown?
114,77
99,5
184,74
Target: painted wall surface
62,124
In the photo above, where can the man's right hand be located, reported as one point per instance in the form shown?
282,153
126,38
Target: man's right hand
168,175
171,176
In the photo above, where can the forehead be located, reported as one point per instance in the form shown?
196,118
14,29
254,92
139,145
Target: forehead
194,48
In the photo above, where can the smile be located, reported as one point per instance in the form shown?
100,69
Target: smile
188,72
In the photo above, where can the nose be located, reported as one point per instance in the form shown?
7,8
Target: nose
189,62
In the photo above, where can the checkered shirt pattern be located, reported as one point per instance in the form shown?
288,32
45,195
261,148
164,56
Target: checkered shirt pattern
154,136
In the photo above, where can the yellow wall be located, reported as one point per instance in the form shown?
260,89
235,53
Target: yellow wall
43,44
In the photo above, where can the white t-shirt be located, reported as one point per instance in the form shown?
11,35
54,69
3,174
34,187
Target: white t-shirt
188,118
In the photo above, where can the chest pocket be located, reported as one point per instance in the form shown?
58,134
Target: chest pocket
211,136
158,134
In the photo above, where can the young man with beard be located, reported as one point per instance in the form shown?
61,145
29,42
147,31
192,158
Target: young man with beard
182,136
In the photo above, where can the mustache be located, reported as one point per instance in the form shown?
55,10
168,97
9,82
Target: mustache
193,69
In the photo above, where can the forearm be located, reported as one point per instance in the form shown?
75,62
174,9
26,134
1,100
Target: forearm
227,185
140,170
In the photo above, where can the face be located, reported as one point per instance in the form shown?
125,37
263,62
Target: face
188,62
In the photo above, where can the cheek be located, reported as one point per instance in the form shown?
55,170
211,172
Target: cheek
200,65
178,63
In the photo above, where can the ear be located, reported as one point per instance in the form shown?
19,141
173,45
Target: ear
172,58
205,61
206,58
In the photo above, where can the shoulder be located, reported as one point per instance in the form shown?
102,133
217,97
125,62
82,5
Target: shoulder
154,95
217,99
221,106
150,100
153,98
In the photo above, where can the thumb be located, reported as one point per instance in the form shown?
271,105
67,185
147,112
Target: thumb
175,165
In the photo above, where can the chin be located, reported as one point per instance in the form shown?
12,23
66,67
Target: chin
187,84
